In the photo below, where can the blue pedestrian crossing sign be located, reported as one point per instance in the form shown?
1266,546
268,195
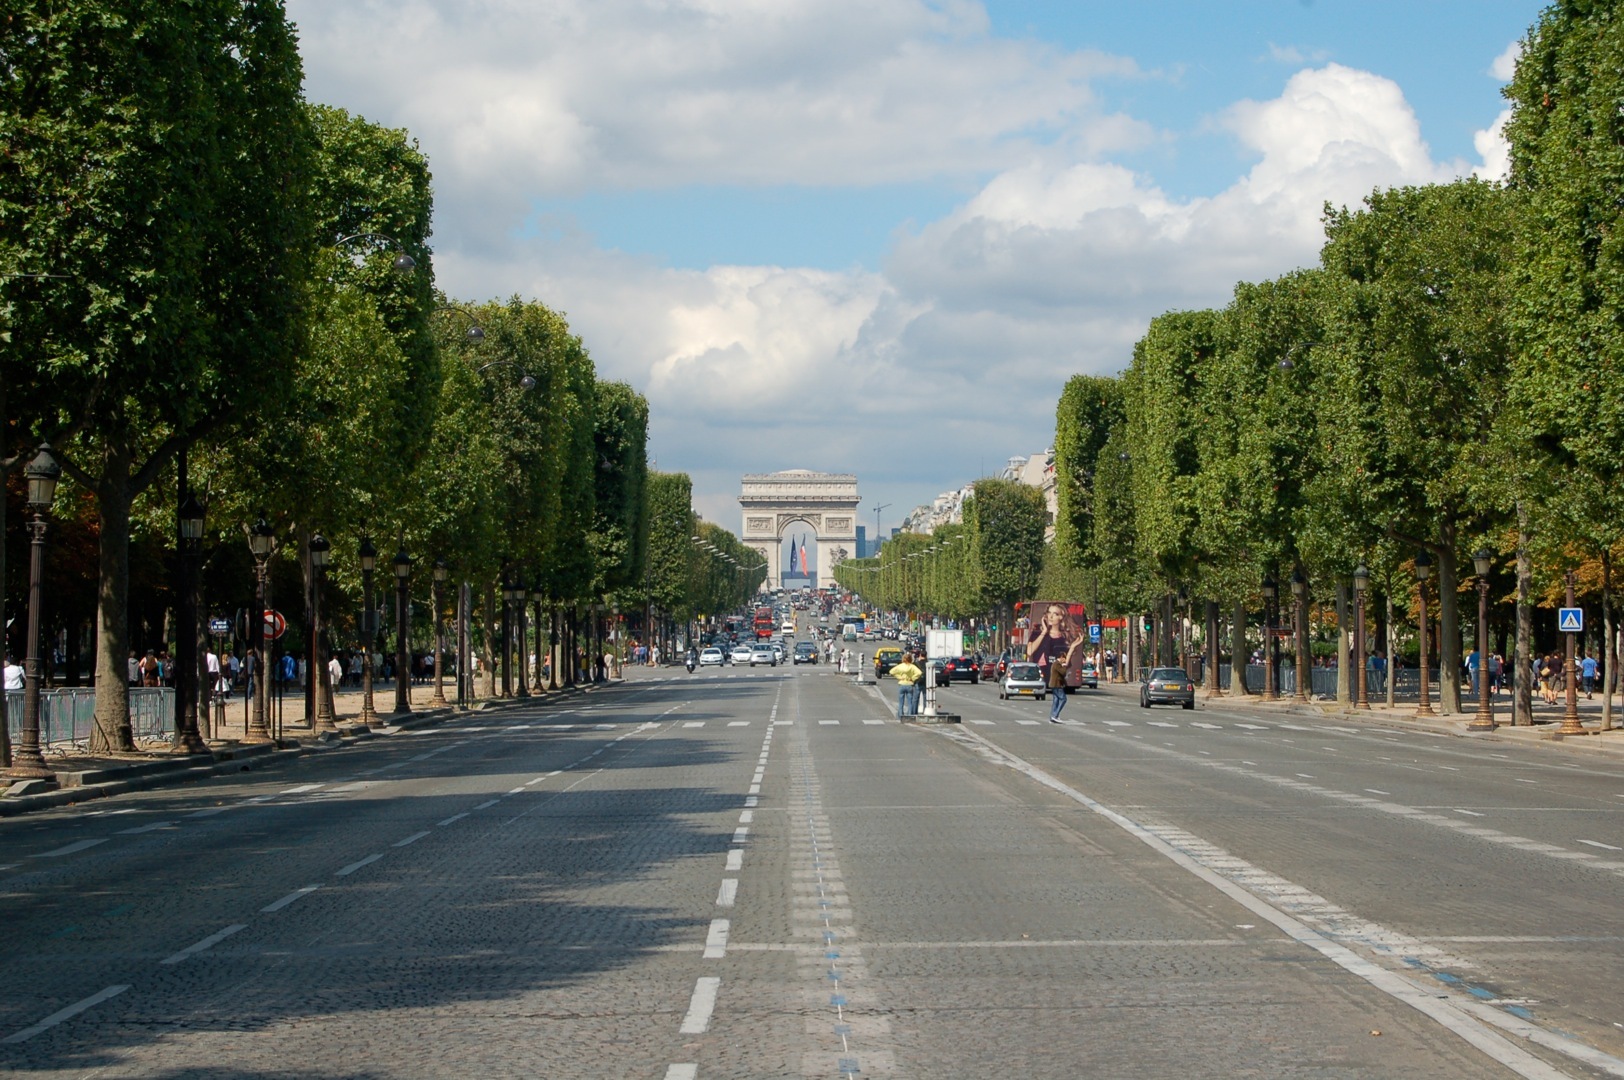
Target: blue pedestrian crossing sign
1094,632
1570,620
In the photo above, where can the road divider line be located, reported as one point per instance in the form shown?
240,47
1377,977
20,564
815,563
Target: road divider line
357,864
735,859
139,829
412,839
728,893
716,939
68,1014
207,943
278,905
453,819
700,1006
71,849
682,1072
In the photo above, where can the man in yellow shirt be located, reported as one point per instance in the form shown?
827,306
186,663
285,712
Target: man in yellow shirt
907,677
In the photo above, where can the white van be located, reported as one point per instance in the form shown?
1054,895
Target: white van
848,632
788,629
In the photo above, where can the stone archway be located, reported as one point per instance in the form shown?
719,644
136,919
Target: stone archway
825,502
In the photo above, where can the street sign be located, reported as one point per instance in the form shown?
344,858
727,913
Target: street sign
275,625
1570,620
219,626
1094,632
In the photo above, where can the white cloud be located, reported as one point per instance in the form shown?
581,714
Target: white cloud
1505,65
1492,147
1294,56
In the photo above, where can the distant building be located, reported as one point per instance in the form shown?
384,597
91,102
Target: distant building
862,542
1038,471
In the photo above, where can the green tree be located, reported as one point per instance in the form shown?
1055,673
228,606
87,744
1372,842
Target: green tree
1004,525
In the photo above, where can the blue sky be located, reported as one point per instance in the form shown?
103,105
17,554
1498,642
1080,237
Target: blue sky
877,236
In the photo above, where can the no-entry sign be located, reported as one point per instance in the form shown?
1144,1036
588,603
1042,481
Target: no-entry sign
275,625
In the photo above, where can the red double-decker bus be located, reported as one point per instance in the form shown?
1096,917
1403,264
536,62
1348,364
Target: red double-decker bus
764,622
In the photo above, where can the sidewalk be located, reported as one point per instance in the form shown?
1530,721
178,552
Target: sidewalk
81,776
1402,715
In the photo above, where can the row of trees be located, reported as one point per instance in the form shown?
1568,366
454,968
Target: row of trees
1445,380
211,286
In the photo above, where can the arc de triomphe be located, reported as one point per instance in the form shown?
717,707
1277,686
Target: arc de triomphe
825,501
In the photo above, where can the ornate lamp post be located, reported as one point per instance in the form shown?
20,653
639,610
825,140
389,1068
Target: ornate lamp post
1361,688
1482,560
369,629
1305,663
1271,689
190,521
536,599
521,630
319,548
1570,711
403,619
508,591
27,763
1423,570
441,572
261,542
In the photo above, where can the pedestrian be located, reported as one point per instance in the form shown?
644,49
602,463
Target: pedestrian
335,671
149,669
907,674
211,662
14,675
1587,672
134,667
1057,687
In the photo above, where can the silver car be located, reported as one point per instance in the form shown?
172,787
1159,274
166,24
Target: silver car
1167,686
763,654
740,654
1023,680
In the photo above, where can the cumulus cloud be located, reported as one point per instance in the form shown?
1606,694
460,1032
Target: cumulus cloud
1505,65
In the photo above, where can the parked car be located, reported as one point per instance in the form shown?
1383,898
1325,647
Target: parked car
805,653
960,669
763,654
712,657
1023,679
1166,686
741,654
989,668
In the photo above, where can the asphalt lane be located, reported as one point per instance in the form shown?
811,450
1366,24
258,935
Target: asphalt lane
760,873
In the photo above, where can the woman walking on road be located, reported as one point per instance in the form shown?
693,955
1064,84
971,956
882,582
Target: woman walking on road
1057,687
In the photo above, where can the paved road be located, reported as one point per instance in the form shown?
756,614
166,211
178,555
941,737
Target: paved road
758,874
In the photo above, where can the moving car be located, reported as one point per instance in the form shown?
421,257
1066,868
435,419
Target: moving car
1088,675
763,654
1167,686
740,654
805,653
1023,679
712,657
960,669
886,657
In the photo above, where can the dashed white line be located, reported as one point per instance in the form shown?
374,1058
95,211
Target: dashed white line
488,803
207,943
1468,813
746,817
70,849
728,893
452,819
1377,791
302,788
740,834
278,905
412,839
700,1006
1598,843
96,999
735,859
357,864
682,1072
716,940
139,829
208,811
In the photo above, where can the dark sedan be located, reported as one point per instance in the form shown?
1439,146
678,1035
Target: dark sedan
960,669
1167,686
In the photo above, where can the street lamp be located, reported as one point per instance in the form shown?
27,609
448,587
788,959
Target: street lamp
403,618
1361,692
441,572
508,591
521,627
403,262
1482,560
536,599
43,473
1305,663
1423,570
321,717
1570,712
369,629
189,517
261,542
1271,691
527,381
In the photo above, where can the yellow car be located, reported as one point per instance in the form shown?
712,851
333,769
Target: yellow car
885,658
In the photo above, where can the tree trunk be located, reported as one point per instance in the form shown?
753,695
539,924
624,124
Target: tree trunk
1238,652
1344,647
1449,644
111,733
1522,684
487,654
1609,655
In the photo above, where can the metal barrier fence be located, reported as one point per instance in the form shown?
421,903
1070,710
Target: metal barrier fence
67,715
1407,681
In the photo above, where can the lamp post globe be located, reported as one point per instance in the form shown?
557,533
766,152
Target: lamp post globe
368,557
1423,571
42,474
1483,720
1271,686
318,705
441,573
261,542
1361,677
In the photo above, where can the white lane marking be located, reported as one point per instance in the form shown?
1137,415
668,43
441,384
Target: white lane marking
682,1072
746,817
516,791
453,818
693,723
1451,768
735,859
716,940
1463,1017
738,723
358,785
1209,727
1520,780
740,833
278,905
302,788
1118,723
260,799
1251,727
486,804
728,892
209,811
207,943
1160,723
1377,791
874,723
829,723
983,723
67,1014
755,789
357,864
534,780
70,849
412,839
700,1006
751,800
1030,722
1306,776
1598,843
139,829
1468,813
